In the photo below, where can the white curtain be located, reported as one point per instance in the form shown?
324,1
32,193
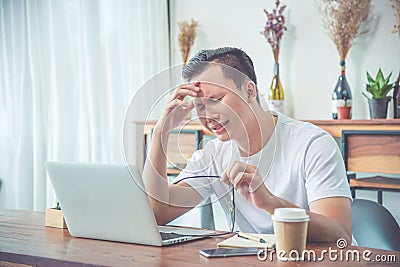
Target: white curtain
68,70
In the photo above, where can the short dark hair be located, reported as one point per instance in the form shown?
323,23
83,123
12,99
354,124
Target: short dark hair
229,56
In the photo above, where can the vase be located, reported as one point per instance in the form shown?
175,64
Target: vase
378,107
343,113
341,96
396,99
276,96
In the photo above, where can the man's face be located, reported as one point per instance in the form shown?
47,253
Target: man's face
221,105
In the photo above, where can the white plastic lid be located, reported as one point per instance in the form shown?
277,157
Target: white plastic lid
290,215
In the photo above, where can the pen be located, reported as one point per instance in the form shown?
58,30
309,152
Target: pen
250,237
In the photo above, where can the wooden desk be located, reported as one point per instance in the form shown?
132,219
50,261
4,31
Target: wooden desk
25,240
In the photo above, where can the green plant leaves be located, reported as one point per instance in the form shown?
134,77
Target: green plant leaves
379,80
370,79
379,87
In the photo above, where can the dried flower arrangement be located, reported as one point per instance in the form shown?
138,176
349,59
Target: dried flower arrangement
342,19
274,28
396,12
186,36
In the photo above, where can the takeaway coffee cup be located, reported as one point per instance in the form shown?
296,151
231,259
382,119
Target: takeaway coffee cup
290,227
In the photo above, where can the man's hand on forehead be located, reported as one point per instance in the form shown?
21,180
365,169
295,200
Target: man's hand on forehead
200,93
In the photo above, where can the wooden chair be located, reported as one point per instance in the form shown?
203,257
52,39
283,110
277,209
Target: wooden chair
372,151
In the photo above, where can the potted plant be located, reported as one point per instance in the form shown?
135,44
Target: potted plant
344,112
379,89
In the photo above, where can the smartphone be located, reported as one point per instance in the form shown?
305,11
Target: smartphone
228,252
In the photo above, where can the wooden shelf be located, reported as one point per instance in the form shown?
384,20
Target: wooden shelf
335,127
376,182
191,125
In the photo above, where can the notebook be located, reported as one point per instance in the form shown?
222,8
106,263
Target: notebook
108,202
238,242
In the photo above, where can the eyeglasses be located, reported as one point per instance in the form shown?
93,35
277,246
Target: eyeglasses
231,202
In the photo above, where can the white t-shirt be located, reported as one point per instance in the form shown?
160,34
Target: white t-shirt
301,163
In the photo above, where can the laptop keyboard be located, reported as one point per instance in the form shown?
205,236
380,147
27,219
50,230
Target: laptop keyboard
168,236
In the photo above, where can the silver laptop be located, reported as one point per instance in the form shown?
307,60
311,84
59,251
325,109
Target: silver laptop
107,202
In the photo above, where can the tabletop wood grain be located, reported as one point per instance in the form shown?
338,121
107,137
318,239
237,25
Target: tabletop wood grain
25,240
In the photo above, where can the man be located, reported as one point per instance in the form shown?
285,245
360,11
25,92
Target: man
270,160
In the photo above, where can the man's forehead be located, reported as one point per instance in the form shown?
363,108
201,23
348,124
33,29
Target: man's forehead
214,77
212,74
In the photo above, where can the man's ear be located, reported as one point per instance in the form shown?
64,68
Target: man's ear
251,91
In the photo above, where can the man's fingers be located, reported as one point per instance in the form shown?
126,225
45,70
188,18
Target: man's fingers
238,172
242,178
244,191
224,178
174,103
238,167
185,90
188,105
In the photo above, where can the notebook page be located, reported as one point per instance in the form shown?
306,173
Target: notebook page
238,242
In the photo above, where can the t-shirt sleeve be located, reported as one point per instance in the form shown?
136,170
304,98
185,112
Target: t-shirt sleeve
325,172
197,165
